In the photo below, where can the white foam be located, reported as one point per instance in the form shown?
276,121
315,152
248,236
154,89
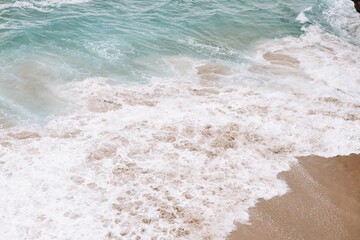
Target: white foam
180,158
302,17
38,5
344,19
316,58
18,4
47,3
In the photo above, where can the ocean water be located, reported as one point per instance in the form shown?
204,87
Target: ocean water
167,119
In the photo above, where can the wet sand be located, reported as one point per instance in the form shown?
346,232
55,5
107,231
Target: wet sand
323,203
4,123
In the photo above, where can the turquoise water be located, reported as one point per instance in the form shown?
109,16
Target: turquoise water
47,42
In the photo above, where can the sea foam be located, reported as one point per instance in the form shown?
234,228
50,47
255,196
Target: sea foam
39,5
182,157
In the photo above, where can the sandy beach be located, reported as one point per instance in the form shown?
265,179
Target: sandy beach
323,203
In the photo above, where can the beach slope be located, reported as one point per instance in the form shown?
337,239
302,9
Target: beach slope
323,203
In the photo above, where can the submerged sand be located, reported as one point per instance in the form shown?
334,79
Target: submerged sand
323,203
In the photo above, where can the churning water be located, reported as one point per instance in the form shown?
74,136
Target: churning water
167,119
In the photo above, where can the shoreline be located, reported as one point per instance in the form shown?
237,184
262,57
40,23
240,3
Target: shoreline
323,203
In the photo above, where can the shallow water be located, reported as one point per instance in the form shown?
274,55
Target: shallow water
167,119
45,43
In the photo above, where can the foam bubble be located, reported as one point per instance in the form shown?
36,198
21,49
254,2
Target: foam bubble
317,62
179,158
172,159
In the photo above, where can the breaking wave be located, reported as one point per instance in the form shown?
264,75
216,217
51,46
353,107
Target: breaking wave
183,156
